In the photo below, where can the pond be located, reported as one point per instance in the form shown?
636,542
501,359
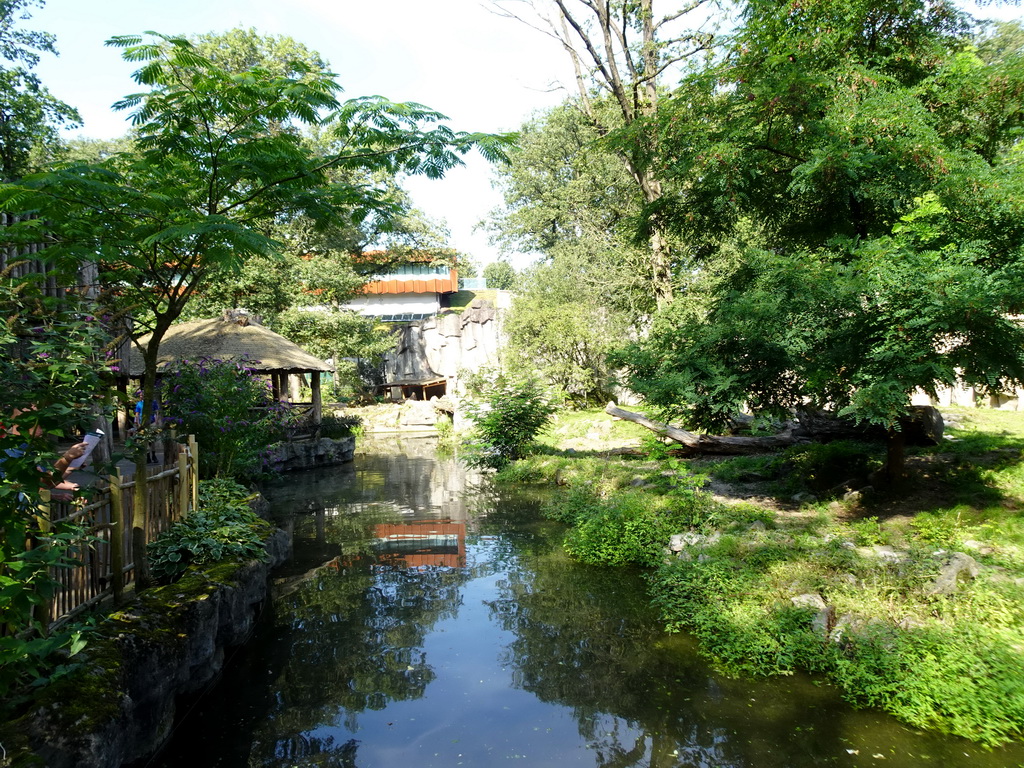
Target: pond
430,619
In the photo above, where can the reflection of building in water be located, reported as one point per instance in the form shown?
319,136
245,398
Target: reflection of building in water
422,543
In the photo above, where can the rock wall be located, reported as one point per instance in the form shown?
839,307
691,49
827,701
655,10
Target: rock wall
119,706
447,345
307,454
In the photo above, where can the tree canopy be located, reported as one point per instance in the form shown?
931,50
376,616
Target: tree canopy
851,173
217,155
29,114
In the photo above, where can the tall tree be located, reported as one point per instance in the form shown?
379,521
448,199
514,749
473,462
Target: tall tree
29,113
573,202
622,49
564,329
859,162
218,156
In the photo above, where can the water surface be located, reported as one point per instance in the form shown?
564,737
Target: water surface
429,620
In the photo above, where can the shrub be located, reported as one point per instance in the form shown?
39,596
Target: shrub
629,528
222,528
230,409
511,413
336,427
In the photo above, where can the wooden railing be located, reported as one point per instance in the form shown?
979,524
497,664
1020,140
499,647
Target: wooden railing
105,560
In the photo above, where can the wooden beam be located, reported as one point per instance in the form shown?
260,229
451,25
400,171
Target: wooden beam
314,385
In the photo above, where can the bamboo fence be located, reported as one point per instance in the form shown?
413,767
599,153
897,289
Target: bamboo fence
104,564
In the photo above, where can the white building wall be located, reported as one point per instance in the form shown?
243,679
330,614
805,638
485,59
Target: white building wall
382,304
969,397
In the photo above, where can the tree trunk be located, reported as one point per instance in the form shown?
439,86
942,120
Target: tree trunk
895,458
724,445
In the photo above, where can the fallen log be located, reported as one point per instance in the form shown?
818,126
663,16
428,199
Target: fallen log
718,444
922,426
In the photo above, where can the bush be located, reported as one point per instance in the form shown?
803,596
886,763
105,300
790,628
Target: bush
512,413
336,427
629,528
230,409
222,528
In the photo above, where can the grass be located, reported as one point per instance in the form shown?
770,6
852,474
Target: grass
950,662
590,430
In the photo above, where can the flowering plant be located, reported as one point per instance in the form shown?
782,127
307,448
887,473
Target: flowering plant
229,408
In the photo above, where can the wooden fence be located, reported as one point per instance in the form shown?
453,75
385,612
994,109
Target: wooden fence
106,561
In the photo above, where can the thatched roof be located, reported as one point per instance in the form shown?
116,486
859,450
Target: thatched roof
231,339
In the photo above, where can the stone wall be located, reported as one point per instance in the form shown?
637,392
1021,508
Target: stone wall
971,397
119,706
308,454
448,345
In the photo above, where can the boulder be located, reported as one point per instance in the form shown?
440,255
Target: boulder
824,613
956,567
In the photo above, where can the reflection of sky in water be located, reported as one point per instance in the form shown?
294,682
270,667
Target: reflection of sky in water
516,654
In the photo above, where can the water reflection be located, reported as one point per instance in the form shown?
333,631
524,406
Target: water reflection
427,620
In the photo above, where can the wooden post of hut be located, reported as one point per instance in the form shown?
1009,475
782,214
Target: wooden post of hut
123,409
314,385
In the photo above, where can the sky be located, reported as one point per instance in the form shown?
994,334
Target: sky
486,73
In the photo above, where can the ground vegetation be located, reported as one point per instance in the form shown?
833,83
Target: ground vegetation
907,601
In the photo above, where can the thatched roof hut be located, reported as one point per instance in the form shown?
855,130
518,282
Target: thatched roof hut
237,337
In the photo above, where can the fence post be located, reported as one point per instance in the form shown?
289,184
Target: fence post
117,537
194,450
44,610
184,483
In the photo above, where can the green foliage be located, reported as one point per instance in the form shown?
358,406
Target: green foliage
218,156
821,466
31,654
952,677
53,370
629,528
815,467
851,195
222,528
501,276
336,427
31,114
355,343
869,532
554,328
508,415
964,681
938,530
574,201
229,408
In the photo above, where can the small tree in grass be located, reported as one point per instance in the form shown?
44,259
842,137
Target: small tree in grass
509,414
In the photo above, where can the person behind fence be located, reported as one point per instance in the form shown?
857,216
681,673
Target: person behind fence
62,490
154,421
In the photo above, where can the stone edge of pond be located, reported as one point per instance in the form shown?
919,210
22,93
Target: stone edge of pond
118,707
